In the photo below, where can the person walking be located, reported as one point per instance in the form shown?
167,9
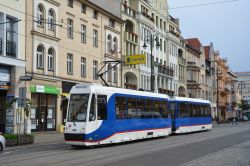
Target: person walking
234,121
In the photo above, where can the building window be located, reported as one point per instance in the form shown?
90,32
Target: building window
115,45
165,46
51,19
40,56
95,70
111,22
109,73
70,28
95,14
70,64
40,15
51,55
109,42
70,3
95,38
83,33
83,8
115,74
83,67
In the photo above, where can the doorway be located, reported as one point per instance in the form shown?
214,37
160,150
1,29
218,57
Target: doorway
2,111
43,112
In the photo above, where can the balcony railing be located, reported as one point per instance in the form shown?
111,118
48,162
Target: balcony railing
11,48
192,84
130,86
192,66
128,10
132,37
1,46
166,71
182,61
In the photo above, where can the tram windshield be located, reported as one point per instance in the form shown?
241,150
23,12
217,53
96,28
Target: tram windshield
78,105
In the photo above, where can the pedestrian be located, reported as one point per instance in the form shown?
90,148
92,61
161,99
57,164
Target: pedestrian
234,121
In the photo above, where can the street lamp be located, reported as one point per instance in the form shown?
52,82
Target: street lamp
152,39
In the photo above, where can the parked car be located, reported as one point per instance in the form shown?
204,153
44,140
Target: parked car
244,118
2,142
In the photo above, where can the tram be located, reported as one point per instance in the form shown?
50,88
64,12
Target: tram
104,115
190,115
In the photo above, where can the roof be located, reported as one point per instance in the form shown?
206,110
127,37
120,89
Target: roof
92,87
194,42
207,51
195,100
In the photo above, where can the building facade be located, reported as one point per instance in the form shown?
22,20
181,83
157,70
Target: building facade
68,43
12,59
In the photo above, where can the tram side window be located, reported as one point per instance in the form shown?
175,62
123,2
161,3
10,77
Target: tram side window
157,109
164,109
131,102
102,107
172,109
120,108
140,107
92,114
148,109
184,112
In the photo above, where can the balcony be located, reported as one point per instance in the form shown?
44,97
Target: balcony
127,10
130,86
192,84
131,37
193,66
182,61
1,46
11,48
165,71
148,16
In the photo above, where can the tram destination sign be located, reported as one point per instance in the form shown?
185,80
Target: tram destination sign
25,78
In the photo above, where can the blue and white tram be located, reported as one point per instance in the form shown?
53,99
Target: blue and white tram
190,115
103,115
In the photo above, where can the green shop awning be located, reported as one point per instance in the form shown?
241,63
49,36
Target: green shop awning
44,89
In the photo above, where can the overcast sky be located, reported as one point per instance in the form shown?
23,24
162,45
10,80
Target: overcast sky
226,24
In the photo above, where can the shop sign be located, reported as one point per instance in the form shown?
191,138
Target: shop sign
4,77
45,89
135,59
25,78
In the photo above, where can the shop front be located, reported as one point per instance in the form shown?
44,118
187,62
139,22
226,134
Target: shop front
43,107
4,88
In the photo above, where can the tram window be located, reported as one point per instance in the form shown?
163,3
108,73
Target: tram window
131,103
92,114
148,109
164,109
102,107
157,109
120,107
172,109
183,110
140,107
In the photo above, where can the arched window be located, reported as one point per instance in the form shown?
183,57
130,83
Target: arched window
51,59
115,44
40,15
40,56
109,73
115,73
109,43
51,19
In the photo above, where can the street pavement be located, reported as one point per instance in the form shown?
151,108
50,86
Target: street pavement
224,145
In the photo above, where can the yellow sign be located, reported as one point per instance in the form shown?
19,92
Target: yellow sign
135,59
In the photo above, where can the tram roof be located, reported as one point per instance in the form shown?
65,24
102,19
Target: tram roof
190,100
92,87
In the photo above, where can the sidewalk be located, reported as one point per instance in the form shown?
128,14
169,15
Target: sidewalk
48,137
